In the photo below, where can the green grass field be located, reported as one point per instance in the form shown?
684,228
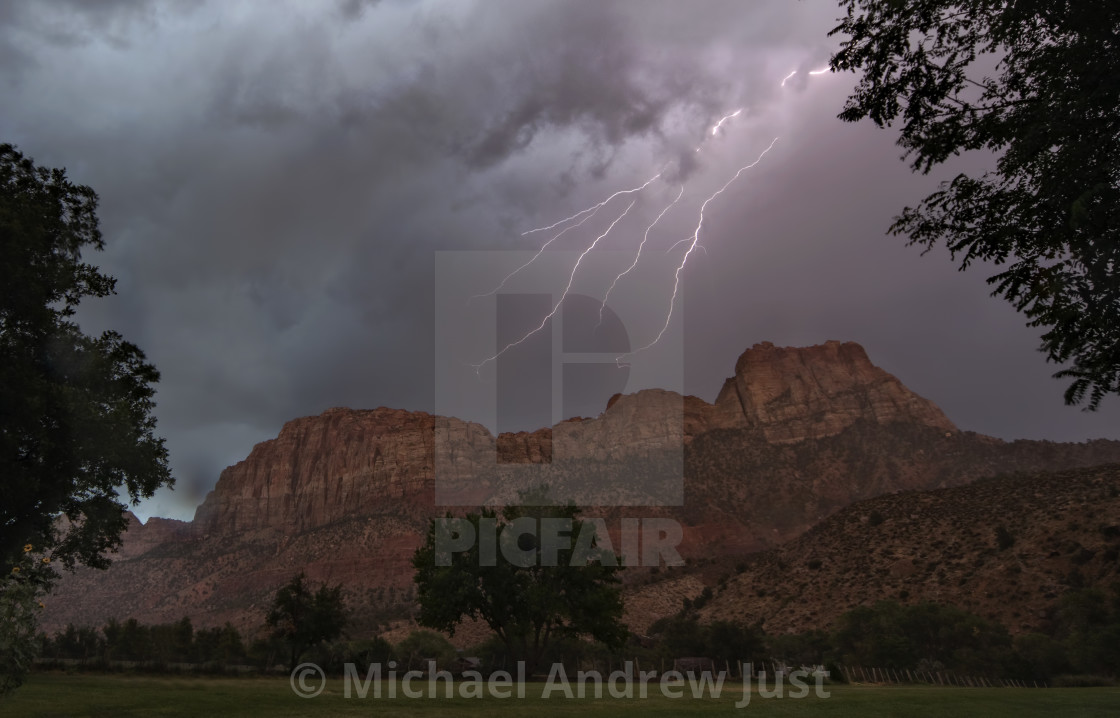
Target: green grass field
71,695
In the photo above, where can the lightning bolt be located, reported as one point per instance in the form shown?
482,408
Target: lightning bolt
637,256
694,240
595,208
788,77
678,243
563,296
593,211
590,212
725,119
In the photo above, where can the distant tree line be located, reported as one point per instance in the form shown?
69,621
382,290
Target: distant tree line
1082,638
161,646
131,640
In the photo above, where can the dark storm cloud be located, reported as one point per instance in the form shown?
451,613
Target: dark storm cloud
275,178
353,9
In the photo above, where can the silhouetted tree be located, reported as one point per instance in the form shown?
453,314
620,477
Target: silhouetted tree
302,618
75,410
1038,83
527,605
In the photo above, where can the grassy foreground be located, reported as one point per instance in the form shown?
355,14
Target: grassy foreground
60,694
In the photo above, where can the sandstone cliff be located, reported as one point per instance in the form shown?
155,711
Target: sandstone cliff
794,436
792,394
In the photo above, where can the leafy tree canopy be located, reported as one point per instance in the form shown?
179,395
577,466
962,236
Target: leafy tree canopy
1037,82
303,618
76,424
527,606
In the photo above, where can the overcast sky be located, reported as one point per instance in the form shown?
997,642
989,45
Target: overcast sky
277,178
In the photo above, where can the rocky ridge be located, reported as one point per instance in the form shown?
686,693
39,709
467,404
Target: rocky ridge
794,436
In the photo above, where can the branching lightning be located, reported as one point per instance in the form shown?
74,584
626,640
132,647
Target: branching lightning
694,241
595,208
563,296
637,256
590,212
678,243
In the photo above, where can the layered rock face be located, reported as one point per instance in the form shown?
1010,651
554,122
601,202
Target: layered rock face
793,394
794,436
323,468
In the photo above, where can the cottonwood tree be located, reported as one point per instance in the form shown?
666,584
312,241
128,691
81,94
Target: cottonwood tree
303,618
1037,83
76,424
530,603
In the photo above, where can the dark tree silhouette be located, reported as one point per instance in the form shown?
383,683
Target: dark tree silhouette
527,606
1037,82
303,618
76,418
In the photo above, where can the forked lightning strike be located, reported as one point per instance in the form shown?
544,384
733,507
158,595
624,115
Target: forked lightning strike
540,251
637,256
596,207
694,240
563,296
590,212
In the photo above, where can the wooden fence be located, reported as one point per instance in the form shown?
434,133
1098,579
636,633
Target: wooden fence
892,676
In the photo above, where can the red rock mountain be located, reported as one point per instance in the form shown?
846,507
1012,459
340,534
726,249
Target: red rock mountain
796,394
794,436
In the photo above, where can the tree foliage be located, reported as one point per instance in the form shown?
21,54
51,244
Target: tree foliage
722,641
20,589
76,420
1037,82
891,635
527,607
303,618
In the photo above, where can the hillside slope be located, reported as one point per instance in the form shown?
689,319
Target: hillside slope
1005,548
